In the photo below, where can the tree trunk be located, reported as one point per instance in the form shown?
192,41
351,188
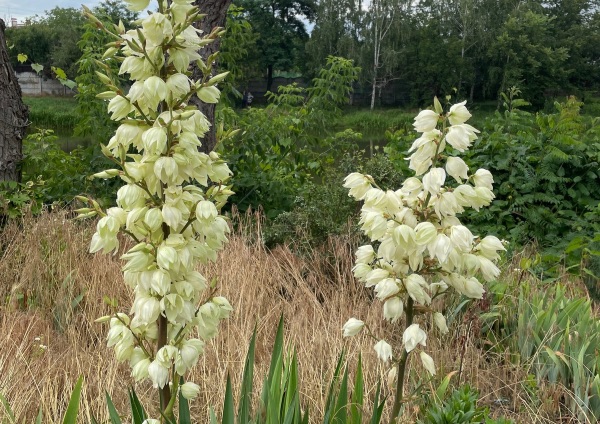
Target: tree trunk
13,117
216,16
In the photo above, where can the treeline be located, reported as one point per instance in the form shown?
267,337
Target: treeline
477,48
436,47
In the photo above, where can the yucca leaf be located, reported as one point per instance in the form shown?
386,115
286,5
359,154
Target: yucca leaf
73,406
331,394
340,413
277,351
377,408
137,410
357,394
291,410
112,411
184,407
275,394
228,408
9,412
246,389
38,419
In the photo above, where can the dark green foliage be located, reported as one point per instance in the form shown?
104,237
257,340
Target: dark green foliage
546,174
16,199
50,40
236,55
281,32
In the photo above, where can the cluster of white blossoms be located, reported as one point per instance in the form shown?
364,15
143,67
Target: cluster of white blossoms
170,203
421,248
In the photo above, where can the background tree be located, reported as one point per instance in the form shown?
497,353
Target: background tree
282,33
13,116
527,56
50,39
91,111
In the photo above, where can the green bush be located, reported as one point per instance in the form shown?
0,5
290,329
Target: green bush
283,146
59,176
324,208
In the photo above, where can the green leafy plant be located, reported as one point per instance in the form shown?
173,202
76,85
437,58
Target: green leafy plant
460,408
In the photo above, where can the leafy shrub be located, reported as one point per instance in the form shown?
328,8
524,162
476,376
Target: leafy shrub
64,174
545,168
324,208
17,198
283,146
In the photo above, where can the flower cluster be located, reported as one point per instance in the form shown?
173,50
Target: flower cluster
170,203
420,247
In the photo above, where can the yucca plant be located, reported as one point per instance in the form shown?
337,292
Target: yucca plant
559,338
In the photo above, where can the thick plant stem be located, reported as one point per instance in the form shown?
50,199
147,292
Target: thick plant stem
402,365
165,392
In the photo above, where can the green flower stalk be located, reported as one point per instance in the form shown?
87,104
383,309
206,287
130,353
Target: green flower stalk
421,249
170,202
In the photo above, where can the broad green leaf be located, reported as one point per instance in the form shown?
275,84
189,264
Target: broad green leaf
37,67
137,410
357,394
60,74
22,58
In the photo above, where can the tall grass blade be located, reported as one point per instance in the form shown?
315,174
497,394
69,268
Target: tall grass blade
73,407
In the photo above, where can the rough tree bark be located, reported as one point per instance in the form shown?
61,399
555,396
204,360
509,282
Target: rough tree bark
216,16
13,117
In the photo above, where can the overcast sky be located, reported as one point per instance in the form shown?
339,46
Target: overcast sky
21,9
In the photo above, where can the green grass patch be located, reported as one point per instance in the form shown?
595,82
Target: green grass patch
56,113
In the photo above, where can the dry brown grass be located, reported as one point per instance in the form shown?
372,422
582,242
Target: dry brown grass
316,294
